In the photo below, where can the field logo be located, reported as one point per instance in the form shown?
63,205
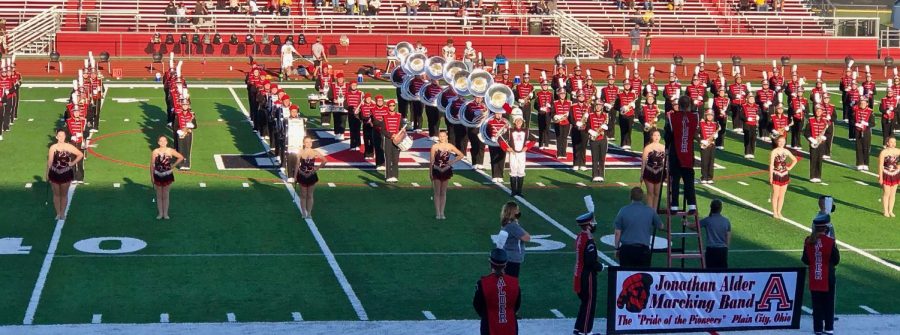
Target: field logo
635,292
126,245
774,290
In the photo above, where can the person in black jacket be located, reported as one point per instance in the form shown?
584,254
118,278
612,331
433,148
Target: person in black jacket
821,254
587,264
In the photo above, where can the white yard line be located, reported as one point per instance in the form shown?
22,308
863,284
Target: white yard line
557,313
202,185
97,319
743,183
415,184
429,315
373,184
164,318
457,184
862,183
245,185
48,261
27,185
541,184
869,309
332,185
621,184
329,256
805,228
546,217
297,316
231,317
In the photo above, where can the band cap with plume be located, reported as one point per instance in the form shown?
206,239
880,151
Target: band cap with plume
589,216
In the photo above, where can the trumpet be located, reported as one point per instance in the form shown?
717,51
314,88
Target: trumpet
705,144
559,117
584,120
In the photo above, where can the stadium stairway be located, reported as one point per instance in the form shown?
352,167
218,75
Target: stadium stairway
11,10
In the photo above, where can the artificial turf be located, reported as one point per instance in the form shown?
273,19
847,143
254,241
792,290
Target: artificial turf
245,250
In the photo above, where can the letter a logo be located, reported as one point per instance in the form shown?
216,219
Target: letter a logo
774,290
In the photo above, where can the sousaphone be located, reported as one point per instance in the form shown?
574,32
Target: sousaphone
479,82
498,95
460,82
451,68
434,67
443,98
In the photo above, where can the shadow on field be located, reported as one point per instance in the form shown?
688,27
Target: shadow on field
242,136
153,129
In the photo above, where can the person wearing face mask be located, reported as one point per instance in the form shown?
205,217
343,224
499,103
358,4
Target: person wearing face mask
587,265
512,237
634,226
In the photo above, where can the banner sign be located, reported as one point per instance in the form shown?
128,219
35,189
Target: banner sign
690,300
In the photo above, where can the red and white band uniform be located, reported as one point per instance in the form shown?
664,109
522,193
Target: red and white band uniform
815,134
498,155
765,98
517,144
751,123
626,105
579,134
888,116
597,124
737,92
799,109
721,105
650,115
610,94
709,130
864,119
543,103
561,111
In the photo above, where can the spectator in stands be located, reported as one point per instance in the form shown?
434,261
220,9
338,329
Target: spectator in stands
676,5
744,5
374,6
648,5
620,4
181,14
350,7
3,38
284,7
363,7
200,11
779,5
762,5
412,7
336,5
252,7
647,18
718,236
171,10
551,5
487,12
635,36
629,4
318,51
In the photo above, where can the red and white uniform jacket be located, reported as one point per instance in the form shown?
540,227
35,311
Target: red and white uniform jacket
353,98
817,126
704,78
586,264
708,130
672,90
337,91
776,83
562,107
765,98
518,141
544,101
738,93
609,94
577,114
846,83
365,110
391,124
888,104
681,130
869,88
697,94
626,103
863,118
821,256
650,114
635,84
523,91
378,113
781,123
720,106
799,107
828,112
751,114
184,117
494,126
653,90
596,122
75,126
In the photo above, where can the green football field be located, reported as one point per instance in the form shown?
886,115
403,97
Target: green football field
236,248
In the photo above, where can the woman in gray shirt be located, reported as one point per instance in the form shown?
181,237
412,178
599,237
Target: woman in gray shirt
515,239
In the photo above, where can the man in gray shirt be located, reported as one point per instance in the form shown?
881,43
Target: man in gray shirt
718,236
634,227
635,36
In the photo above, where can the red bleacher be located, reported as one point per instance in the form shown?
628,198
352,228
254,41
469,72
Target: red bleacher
18,11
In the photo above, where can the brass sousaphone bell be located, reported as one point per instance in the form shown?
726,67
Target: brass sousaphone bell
479,82
413,67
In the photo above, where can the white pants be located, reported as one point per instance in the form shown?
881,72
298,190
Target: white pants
516,164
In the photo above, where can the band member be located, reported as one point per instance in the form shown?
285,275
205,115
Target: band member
709,130
163,161
257,114
672,90
653,162
543,102
780,174
575,82
450,96
338,98
434,115
609,96
650,114
651,86
697,91
830,116
587,264
864,118
888,105
185,123
76,125
364,114
869,89
559,79
750,119
625,105
253,81
889,175
265,99
525,94
562,108
765,99
497,127
815,133
792,88
820,253
296,132
378,113
776,81
442,171
721,104
353,102
324,83
599,145
681,130
781,124
476,151
517,146
418,108
579,118
798,110
307,175
61,161
6,104
852,100
636,84
498,298
287,60
392,131
590,90
737,93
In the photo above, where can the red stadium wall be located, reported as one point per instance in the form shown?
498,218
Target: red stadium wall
747,48
516,47
367,46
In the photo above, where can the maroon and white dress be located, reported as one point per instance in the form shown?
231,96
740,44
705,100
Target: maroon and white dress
654,168
306,174
890,172
60,170
781,175
163,174
441,168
